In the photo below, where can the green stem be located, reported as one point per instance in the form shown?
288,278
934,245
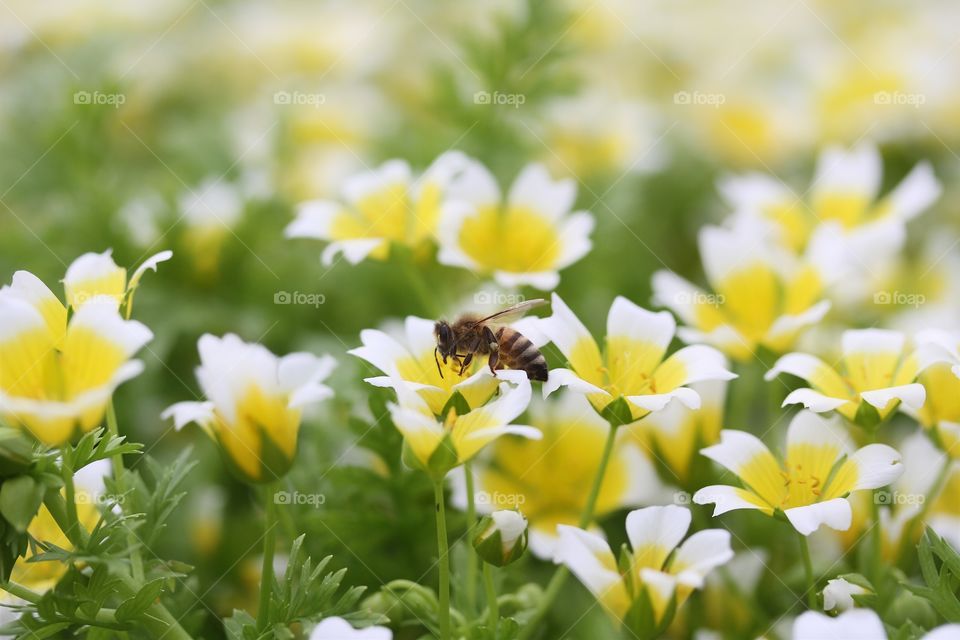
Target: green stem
21,592
472,559
493,608
586,517
120,473
443,607
269,547
808,572
876,539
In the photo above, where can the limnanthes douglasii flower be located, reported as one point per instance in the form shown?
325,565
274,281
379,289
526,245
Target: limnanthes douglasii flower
96,274
337,628
938,355
58,375
440,444
525,239
761,295
874,376
650,568
812,483
255,401
414,362
379,207
634,365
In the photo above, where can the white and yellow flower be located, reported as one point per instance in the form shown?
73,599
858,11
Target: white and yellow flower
210,211
339,629
874,376
651,566
525,239
379,207
58,375
762,296
856,624
677,433
440,445
845,190
805,486
255,402
938,355
413,361
522,473
633,366
96,274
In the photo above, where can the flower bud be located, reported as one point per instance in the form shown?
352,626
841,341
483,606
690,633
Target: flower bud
839,592
502,538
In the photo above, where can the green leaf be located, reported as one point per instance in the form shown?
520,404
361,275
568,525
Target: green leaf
138,604
20,499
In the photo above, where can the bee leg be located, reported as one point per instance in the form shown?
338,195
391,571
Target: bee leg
494,361
465,363
437,360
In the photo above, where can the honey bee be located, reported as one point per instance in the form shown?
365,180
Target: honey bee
506,347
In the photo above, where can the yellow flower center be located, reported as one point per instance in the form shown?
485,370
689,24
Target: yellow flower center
514,239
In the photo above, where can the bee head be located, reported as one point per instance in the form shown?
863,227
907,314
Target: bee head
444,335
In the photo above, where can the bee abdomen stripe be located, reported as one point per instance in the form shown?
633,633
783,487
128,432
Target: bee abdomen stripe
512,338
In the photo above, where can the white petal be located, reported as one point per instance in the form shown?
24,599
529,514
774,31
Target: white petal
811,428
736,449
632,321
872,341
99,315
657,401
380,349
678,295
150,263
535,190
835,514
354,251
838,594
911,395
659,527
575,238
813,400
789,324
566,378
563,327
702,363
943,632
801,365
183,413
854,172
753,192
877,466
855,624
339,629
916,192
474,185
588,557
389,174
699,554
724,498
542,280
314,220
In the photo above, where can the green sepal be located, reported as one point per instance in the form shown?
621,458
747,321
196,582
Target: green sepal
489,545
456,403
443,459
618,413
867,416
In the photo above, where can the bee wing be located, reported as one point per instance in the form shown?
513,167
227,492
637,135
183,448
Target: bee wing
515,312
